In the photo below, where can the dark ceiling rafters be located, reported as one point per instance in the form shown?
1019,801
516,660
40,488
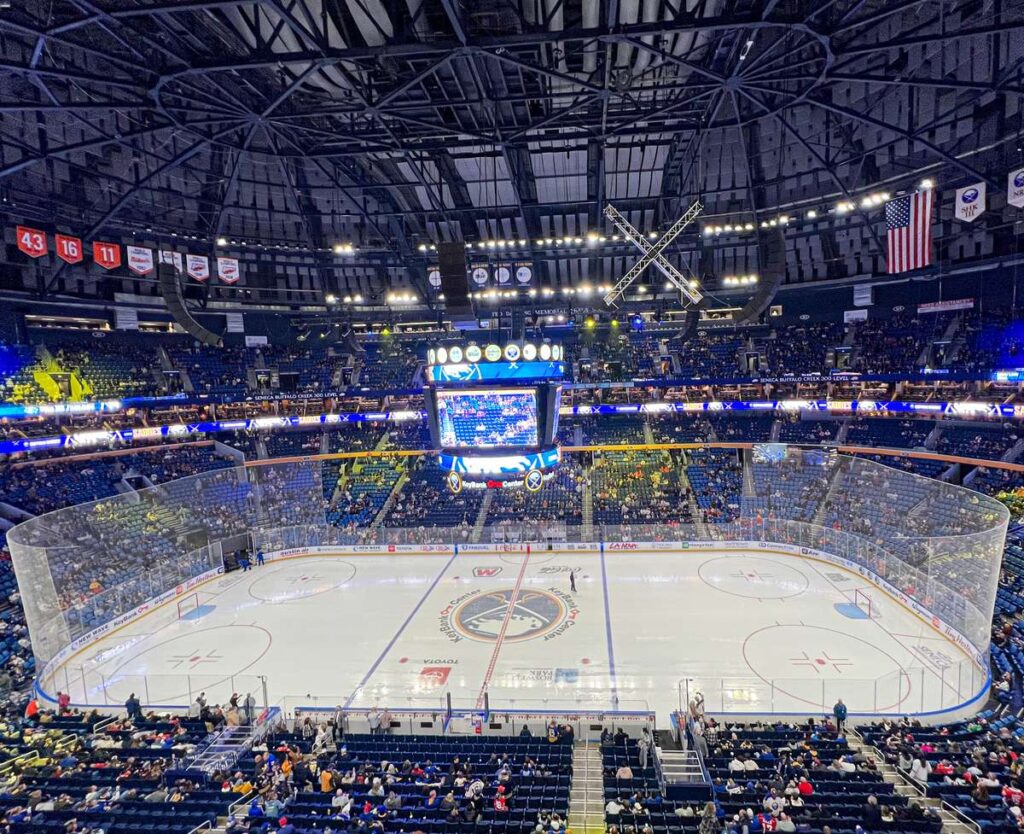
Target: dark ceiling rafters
366,108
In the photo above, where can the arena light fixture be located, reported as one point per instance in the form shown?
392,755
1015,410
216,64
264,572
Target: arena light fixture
222,241
811,214
927,183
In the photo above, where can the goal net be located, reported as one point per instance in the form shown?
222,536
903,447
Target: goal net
864,603
188,607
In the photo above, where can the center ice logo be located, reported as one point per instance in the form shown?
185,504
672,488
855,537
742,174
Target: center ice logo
533,614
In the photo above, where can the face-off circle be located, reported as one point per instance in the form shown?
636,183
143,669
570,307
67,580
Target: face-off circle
173,669
753,578
302,580
816,665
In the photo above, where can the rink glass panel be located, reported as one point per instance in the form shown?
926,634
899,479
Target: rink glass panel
83,567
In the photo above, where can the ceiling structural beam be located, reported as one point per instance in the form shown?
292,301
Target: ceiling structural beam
454,19
906,134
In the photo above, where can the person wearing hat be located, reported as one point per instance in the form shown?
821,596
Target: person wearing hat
500,800
285,827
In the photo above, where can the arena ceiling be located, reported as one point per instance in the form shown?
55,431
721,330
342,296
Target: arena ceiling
396,124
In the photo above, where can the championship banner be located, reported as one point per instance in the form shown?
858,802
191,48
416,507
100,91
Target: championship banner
140,260
198,267
172,258
69,249
106,255
31,241
524,275
970,202
1015,188
227,269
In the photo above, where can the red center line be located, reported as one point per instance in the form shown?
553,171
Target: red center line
501,632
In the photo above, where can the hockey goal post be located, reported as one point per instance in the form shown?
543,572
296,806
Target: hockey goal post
187,605
865,603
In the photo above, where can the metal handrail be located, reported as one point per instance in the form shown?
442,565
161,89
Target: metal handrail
242,801
24,758
961,816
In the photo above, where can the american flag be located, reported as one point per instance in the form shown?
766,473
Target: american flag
909,221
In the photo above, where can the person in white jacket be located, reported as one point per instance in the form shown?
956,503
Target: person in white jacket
920,769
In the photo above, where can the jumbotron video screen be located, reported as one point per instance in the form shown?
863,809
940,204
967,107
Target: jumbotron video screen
497,418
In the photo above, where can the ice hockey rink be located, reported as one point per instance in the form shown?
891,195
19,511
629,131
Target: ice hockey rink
754,631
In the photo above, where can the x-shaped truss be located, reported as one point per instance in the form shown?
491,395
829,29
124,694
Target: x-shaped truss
652,253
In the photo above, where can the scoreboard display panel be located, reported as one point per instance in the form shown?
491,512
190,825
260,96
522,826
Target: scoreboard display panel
493,409
487,418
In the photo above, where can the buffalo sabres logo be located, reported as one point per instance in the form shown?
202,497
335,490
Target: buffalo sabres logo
454,481
534,480
534,614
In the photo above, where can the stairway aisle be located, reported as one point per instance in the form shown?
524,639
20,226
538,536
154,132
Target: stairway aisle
586,796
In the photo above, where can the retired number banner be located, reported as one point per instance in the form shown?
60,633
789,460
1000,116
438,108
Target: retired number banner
31,241
69,249
107,255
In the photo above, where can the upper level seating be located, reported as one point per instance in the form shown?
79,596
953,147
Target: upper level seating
312,363
710,354
896,343
882,431
388,364
808,431
355,437
802,349
213,370
606,356
635,488
756,428
534,774
645,356
976,441
601,431
990,341
17,363
674,428
117,365
282,444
